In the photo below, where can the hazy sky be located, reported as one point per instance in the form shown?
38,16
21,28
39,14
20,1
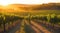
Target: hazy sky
5,2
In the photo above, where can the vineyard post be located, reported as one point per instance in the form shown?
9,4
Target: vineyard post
4,24
29,17
48,17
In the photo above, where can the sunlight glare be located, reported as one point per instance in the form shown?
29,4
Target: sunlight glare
6,2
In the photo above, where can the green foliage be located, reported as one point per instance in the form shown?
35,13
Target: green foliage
54,20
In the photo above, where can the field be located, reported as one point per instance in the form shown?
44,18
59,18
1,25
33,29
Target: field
28,21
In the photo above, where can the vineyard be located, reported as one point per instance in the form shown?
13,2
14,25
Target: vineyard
8,22
30,23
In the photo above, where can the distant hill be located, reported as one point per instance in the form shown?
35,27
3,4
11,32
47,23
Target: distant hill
49,6
14,8
26,7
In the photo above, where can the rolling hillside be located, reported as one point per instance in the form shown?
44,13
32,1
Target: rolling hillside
27,8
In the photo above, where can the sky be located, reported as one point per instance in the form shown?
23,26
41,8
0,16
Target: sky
6,2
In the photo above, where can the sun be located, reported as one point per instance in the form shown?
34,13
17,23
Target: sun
4,4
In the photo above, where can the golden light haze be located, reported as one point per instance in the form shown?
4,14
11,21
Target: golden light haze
6,2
